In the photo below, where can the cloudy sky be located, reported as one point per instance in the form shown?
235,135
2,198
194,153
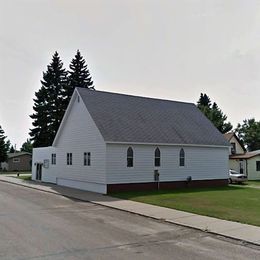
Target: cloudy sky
172,49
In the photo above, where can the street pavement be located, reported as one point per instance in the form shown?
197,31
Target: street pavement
243,232
40,225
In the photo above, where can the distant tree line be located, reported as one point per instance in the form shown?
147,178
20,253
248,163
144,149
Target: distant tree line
248,132
6,147
52,99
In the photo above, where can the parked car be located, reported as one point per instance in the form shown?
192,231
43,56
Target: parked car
237,177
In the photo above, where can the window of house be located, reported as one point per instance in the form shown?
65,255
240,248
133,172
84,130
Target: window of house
53,158
258,165
130,157
157,157
16,160
87,159
69,158
233,148
182,157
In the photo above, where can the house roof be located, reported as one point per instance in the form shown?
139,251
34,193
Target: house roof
12,155
133,119
247,155
228,137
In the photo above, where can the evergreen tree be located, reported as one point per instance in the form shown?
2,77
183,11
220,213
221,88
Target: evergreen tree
27,146
12,150
214,113
49,104
3,146
79,75
249,134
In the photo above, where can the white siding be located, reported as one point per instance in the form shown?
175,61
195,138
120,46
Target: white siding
38,156
239,149
253,174
79,134
202,163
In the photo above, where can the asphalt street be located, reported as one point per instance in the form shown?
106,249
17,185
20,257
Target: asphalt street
39,225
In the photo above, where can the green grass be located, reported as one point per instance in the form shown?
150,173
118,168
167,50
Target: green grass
25,177
15,172
230,203
254,183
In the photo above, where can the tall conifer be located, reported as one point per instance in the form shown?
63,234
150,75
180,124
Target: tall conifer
3,146
79,75
49,104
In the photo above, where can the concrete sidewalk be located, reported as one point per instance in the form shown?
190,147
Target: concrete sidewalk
247,233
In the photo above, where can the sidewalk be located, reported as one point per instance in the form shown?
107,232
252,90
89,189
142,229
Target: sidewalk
244,232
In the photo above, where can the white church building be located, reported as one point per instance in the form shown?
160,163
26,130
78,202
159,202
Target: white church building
110,142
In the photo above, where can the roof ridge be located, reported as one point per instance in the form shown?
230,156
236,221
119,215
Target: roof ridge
134,96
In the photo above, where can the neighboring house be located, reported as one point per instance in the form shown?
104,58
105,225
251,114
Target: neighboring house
112,142
19,161
241,160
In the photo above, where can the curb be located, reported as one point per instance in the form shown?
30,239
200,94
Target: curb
244,242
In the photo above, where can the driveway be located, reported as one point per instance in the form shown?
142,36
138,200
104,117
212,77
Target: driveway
39,225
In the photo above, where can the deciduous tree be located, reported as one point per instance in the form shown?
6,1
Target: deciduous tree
249,133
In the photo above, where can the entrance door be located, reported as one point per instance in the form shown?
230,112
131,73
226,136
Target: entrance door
38,171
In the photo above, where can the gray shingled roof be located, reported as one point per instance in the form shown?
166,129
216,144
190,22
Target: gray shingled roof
125,118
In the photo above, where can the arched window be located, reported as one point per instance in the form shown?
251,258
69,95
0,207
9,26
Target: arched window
130,157
182,157
157,157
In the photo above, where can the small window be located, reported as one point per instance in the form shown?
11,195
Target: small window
258,166
53,158
16,160
182,157
87,159
157,157
233,148
130,157
69,158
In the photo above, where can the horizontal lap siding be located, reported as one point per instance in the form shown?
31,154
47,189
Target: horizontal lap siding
79,134
200,162
39,155
253,174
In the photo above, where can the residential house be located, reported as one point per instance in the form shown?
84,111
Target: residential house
113,142
242,161
18,161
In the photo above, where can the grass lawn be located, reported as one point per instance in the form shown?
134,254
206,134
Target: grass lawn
25,177
24,172
254,183
231,203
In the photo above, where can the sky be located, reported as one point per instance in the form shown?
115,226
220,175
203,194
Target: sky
169,49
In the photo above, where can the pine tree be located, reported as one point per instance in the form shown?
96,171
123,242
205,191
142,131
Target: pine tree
214,113
3,146
12,150
49,104
79,75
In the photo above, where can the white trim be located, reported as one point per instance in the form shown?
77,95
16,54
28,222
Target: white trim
73,98
168,144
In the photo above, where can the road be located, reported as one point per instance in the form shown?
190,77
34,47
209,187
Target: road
39,225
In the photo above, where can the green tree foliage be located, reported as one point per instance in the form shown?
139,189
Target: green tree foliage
249,133
12,150
79,75
214,113
3,146
27,146
49,104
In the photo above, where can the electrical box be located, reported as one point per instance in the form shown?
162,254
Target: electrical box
156,175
